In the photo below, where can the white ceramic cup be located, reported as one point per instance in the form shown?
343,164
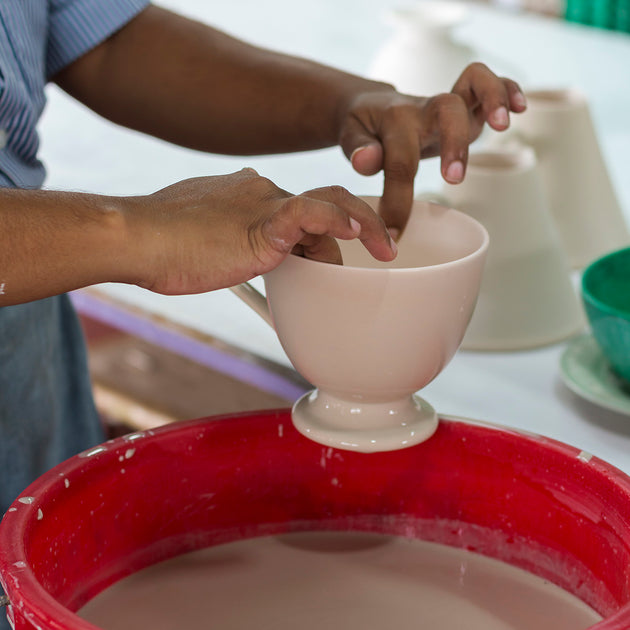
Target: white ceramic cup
369,334
558,126
527,298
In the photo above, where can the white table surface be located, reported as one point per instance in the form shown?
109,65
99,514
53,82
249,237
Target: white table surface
517,389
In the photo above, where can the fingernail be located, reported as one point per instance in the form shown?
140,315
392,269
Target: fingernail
392,242
455,172
356,151
519,99
394,233
355,225
500,117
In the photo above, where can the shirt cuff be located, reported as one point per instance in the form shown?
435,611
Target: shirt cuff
81,25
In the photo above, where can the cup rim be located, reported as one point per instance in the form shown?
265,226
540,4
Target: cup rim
588,295
479,251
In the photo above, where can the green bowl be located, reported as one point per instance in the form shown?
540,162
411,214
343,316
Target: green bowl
606,297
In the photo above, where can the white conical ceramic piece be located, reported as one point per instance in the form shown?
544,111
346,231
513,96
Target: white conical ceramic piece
422,56
527,298
558,125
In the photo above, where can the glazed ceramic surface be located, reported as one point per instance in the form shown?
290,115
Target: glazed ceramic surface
586,371
528,501
558,125
526,298
368,334
606,295
422,55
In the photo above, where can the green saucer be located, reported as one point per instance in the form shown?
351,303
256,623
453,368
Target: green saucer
586,372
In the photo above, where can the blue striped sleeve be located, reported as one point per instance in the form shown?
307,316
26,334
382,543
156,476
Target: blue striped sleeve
77,26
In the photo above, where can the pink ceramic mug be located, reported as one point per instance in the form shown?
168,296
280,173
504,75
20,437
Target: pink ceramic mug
369,334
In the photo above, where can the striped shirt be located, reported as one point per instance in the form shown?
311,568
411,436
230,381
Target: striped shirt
37,39
46,409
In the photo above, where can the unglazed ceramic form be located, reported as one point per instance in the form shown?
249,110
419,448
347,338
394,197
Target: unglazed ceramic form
526,298
368,334
422,56
558,125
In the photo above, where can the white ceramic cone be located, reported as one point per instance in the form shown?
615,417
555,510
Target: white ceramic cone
558,126
527,298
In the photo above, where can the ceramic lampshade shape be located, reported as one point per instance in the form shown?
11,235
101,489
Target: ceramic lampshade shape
582,199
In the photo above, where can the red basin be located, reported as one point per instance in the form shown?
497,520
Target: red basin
529,501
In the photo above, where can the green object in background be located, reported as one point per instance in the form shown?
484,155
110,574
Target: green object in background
609,14
622,16
606,297
604,13
579,11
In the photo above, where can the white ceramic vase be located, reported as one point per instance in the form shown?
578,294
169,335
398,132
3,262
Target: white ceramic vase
422,57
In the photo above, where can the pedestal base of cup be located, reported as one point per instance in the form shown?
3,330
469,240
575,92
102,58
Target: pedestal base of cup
364,427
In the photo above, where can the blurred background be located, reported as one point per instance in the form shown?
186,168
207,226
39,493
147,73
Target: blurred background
141,380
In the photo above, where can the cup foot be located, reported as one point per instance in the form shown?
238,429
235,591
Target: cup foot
366,427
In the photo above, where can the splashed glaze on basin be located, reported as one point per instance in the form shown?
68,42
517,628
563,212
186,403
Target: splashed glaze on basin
530,501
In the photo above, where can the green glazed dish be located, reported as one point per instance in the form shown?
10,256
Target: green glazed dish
606,297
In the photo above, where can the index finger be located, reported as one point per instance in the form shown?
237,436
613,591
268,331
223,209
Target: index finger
401,155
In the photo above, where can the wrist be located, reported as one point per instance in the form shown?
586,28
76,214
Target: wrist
138,240
107,240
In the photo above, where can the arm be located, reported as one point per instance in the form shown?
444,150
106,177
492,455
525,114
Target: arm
53,242
195,86
192,85
197,235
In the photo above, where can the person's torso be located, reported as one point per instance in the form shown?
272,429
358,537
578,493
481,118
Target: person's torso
23,41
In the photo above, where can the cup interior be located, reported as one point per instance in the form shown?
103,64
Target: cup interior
606,284
434,235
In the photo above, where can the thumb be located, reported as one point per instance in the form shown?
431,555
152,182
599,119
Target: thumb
362,148
367,159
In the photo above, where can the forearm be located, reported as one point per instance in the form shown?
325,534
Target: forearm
192,85
197,235
53,242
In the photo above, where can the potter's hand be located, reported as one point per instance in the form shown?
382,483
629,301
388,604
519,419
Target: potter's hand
391,131
214,232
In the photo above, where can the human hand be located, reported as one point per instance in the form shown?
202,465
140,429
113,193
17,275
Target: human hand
385,130
215,232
